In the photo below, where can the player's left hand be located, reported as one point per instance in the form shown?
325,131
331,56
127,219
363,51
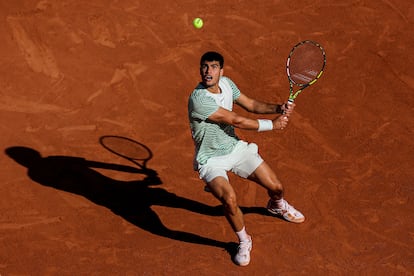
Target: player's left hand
288,108
280,122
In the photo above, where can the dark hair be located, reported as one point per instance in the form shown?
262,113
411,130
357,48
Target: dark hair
212,56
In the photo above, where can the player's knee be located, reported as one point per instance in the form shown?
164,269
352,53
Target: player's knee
230,204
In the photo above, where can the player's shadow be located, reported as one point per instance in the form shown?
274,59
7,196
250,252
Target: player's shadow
131,200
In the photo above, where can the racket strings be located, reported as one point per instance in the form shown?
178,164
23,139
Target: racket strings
305,63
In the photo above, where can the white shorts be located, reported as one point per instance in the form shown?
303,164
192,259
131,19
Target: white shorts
242,161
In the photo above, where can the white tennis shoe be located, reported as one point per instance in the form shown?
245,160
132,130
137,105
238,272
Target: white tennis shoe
287,211
242,257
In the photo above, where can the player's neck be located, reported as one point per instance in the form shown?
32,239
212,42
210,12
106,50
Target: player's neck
214,89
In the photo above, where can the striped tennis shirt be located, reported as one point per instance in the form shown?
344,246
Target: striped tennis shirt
210,138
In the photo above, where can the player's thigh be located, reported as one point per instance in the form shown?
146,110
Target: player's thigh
265,176
221,189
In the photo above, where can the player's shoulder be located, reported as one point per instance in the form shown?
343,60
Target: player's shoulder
199,93
227,84
198,90
225,79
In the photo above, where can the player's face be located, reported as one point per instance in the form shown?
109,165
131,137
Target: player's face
210,72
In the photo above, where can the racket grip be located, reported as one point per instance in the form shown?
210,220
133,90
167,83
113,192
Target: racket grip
290,101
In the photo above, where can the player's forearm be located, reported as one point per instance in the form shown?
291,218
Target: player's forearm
261,124
266,108
223,116
247,124
244,123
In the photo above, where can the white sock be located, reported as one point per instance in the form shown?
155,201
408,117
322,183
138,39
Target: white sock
242,234
279,202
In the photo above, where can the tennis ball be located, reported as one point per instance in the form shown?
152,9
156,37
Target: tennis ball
198,23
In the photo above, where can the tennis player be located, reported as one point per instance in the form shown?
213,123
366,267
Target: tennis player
218,150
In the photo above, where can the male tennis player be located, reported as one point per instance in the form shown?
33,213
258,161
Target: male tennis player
218,150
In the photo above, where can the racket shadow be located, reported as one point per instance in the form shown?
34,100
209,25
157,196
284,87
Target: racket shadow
132,200
135,152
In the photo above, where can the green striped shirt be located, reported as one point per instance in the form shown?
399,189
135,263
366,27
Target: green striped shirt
210,138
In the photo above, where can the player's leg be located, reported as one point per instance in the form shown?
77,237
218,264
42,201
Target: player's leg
223,191
277,205
266,177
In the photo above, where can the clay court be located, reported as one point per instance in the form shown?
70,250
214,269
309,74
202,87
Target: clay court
75,71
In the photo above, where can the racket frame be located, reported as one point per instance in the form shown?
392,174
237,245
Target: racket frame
292,94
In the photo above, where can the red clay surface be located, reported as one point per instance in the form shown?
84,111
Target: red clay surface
73,71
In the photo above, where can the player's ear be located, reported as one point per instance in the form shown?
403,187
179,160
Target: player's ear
221,72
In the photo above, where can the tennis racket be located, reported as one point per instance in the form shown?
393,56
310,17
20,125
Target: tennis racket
135,152
304,66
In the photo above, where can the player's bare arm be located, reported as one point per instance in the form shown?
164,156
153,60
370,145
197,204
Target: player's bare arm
232,118
259,107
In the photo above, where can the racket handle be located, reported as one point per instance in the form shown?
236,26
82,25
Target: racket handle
290,101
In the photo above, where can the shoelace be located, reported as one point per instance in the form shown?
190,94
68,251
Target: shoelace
286,208
290,209
244,245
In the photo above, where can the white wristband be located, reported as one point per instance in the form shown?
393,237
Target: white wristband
265,125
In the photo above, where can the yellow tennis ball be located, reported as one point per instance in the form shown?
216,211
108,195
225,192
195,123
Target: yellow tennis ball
198,23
